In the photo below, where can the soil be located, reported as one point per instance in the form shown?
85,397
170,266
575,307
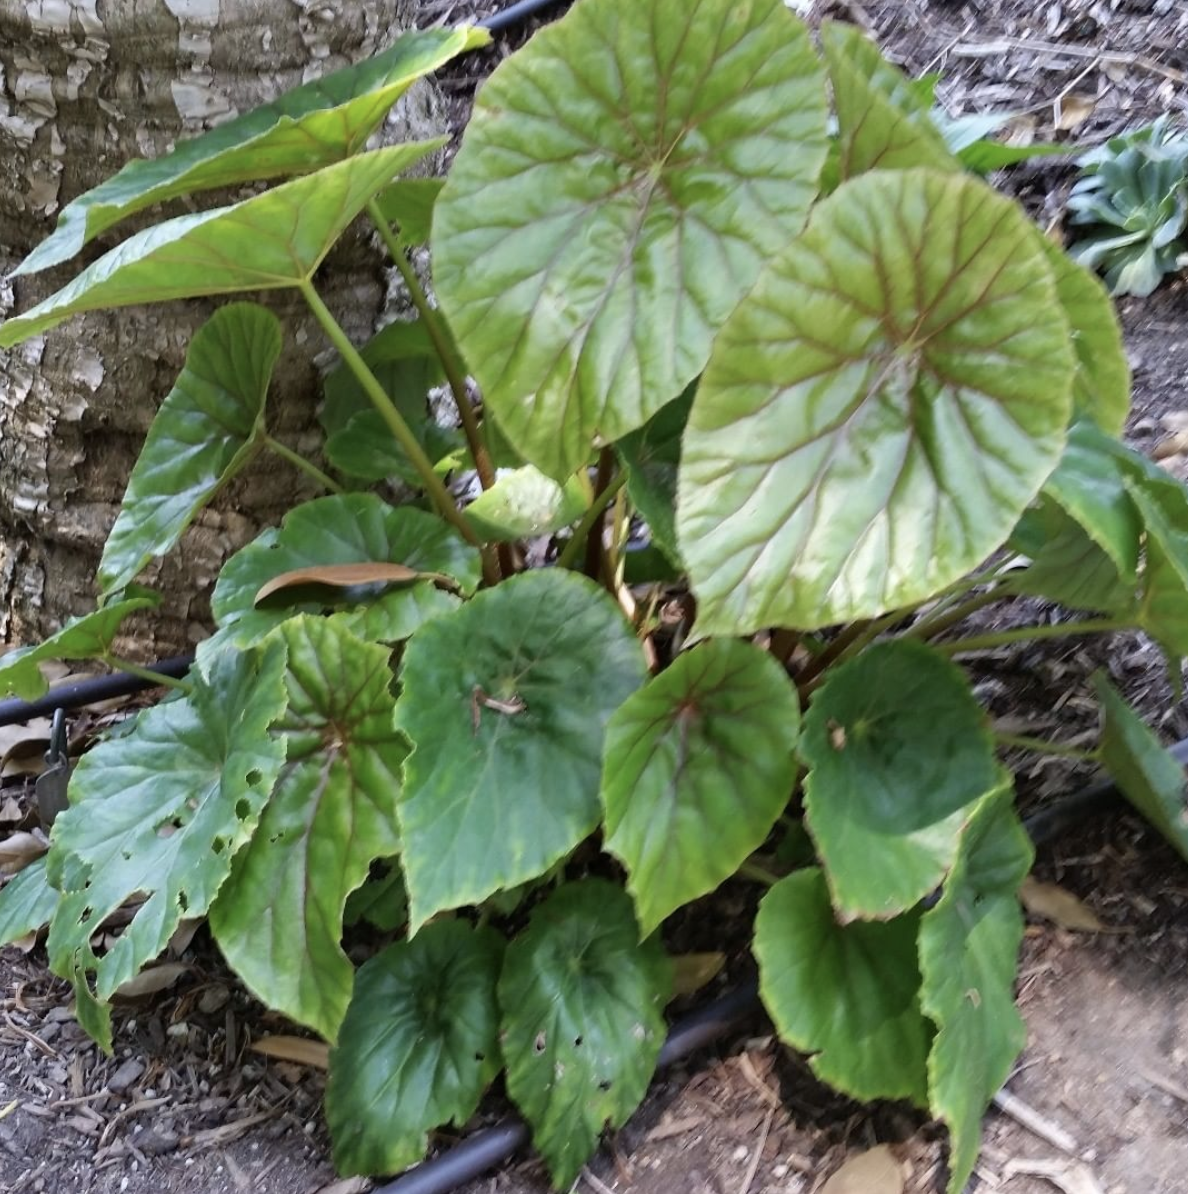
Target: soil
186,1106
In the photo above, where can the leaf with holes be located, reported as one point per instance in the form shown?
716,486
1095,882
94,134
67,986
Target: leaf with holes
1163,606
321,122
88,637
879,410
898,753
356,528
969,953
409,205
1149,775
27,903
271,241
622,180
697,767
524,503
161,812
884,118
205,431
279,918
582,1024
505,702
651,458
418,1047
846,994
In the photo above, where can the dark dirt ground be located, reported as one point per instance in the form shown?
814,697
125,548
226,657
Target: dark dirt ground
187,1107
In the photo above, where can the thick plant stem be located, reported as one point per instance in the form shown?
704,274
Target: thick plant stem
120,664
589,520
306,466
929,627
831,652
1043,747
757,874
454,370
982,642
597,533
400,430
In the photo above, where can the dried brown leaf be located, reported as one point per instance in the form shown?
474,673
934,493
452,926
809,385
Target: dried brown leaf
344,576
873,1172
300,1049
19,849
1061,907
151,981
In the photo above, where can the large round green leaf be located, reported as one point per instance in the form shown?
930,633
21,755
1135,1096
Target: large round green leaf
847,994
698,766
898,751
278,919
505,702
621,182
417,1048
160,812
582,1024
878,411
202,435
355,528
311,126
269,242
969,951
524,503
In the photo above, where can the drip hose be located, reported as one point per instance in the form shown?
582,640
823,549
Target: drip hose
514,14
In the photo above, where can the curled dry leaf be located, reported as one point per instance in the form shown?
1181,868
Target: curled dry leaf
1059,906
19,849
300,1049
873,1172
151,981
345,576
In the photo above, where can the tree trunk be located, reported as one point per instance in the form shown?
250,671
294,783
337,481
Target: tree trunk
85,86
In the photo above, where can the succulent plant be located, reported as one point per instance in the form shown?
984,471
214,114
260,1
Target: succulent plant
1132,199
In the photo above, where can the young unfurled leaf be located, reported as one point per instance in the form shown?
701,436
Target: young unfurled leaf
884,119
524,503
417,1048
88,637
311,126
898,752
848,995
505,702
621,181
268,242
969,947
1148,775
697,767
161,812
350,529
879,410
279,918
27,903
203,434
582,1025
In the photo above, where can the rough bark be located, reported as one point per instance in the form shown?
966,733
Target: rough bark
84,86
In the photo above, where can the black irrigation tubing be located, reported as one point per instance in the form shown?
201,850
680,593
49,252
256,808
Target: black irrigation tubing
514,14
489,1147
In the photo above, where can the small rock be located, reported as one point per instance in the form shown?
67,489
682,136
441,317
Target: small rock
126,1075
156,1142
213,999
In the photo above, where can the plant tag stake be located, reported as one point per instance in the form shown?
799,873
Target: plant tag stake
52,782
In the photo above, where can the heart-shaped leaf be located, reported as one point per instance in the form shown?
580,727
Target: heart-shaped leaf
618,188
278,920
651,457
1101,389
161,812
88,637
409,205
272,241
321,122
969,954
505,702
356,528
698,765
417,1048
582,1024
898,751
524,503
205,431
27,903
1149,776
847,994
879,410
883,118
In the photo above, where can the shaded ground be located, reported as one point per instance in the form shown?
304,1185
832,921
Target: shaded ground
186,1106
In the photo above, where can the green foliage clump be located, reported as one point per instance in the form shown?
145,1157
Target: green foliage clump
831,373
